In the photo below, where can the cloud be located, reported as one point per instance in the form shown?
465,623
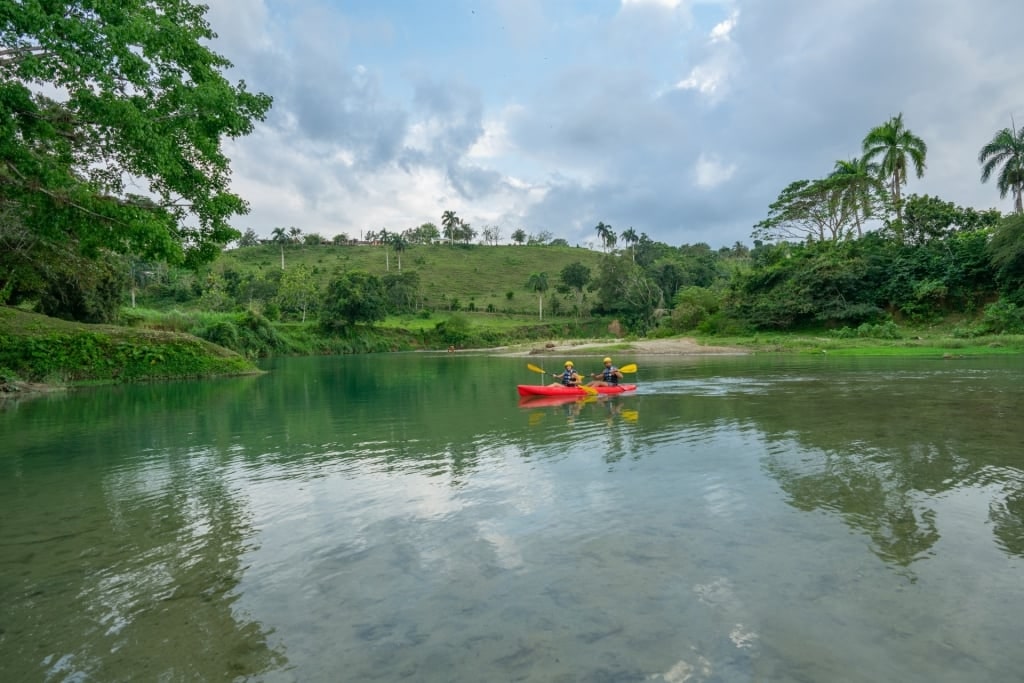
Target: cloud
710,172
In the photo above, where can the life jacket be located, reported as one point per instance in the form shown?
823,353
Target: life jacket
610,376
567,377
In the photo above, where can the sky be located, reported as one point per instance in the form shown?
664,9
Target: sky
681,119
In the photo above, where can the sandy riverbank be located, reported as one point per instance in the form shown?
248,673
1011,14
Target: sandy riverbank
679,346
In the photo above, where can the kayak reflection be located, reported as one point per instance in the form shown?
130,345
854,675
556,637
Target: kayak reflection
573,406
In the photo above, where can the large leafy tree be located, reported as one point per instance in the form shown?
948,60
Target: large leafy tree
99,96
856,181
575,277
808,209
895,147
353,297
1005,150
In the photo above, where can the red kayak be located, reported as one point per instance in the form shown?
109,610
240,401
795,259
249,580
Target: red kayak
543,390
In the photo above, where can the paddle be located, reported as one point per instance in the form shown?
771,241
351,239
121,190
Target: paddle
591,391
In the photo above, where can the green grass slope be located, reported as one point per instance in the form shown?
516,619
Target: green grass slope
37,348
468,273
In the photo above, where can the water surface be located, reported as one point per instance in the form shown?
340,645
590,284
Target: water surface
406,517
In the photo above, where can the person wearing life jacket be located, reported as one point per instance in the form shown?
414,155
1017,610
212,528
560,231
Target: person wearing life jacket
609,377
568,378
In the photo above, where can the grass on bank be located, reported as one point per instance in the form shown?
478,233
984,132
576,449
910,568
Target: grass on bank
37,348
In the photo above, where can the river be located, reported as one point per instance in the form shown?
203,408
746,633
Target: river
407,517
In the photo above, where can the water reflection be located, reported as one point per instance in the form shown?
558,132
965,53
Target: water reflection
405,517
122,554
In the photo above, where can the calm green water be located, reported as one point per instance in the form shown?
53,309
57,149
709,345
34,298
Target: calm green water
405,518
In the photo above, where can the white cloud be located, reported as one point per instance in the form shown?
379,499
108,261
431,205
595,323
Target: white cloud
723,29
710,172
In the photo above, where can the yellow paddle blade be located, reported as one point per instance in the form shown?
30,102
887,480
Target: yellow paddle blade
628,368
536,369
590,390
630,415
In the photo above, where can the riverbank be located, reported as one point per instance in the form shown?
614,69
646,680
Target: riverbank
39,354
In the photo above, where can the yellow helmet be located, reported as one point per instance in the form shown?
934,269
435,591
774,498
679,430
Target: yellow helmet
568,363
607,360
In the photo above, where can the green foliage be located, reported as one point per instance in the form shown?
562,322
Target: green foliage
1006,251
1000,317
893,145
298,292
80,356
1006,149
692,306
145,98
454,330
883,330
810,209
353,297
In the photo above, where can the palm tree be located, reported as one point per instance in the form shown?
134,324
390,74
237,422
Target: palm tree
385,239
280,235
399,244
894,144
450,224
856,181
630,237
606,235
1006,149
538,282
295,233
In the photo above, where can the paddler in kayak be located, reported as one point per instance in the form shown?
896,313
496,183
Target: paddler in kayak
568,378
609,377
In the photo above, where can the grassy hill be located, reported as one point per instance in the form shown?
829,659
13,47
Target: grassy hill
483,275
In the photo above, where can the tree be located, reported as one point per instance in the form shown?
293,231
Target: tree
399,243
402,291
280,236
1006,251
808,209
295,234
1006,149
424,234
449,226
353,297
538,283
606,235
385,239
98,97
492,234
576,276
298,290
856,181
519,236
248,238
895,144
630,237
465,232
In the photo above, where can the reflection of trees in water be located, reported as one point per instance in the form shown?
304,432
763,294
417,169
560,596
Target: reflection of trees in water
868,493
873,448
137,575
1007,517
